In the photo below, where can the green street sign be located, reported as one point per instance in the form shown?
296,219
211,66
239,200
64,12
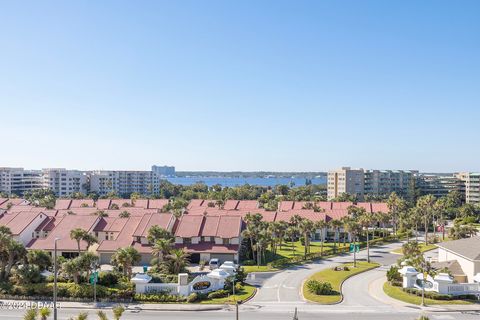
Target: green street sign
93,277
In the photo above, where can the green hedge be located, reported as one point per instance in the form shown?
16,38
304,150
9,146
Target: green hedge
438,296
70,290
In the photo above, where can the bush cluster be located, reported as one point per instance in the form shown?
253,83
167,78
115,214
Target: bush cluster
438,296
158,298
218,294
320,288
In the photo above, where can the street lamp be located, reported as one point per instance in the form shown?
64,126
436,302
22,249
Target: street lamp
55,279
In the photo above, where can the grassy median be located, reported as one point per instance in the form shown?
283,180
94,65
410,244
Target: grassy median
399,294
245,294
335,278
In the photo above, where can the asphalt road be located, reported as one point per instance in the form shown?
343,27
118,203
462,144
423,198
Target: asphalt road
285,286
256,315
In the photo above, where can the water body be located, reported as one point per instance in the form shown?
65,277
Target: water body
238,181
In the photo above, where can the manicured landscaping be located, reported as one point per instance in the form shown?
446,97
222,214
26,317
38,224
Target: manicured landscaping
399,294
268,268
245,293
335,278
423,248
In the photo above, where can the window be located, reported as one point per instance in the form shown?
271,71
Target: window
187,240
226,241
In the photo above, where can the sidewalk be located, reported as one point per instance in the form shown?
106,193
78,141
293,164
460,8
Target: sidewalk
128,306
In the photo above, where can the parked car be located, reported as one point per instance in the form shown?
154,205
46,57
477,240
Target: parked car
214,264
230,264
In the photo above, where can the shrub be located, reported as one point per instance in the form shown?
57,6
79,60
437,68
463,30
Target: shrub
218,294
158,298
346,268
192,297
107,278
249,262
393,274
320,288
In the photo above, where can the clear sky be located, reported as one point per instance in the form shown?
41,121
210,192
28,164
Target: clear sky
245,85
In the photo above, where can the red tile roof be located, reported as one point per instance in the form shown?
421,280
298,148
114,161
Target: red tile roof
124,238
163,220
62,204
231,205
79,203
229,227
157,203
103,204
17,222
189,226
62,231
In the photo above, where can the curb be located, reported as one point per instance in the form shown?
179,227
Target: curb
341,287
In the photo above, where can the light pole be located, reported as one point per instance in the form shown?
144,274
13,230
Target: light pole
55,279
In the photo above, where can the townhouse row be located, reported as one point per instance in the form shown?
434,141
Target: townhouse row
204,230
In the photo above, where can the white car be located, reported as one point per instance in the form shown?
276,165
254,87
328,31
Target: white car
213,264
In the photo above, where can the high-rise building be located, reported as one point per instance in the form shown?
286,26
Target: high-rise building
18,180
345,180
164,171
440,185
64,182
472,186
359,182
384,182
124,182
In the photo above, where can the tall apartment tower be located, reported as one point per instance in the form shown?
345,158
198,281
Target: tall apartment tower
64,182
346,180
472,186
384,182
18,180
124,182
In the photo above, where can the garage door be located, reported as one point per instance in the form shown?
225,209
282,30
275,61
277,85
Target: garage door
195,258
222,257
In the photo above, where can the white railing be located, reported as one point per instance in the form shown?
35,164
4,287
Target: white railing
463,288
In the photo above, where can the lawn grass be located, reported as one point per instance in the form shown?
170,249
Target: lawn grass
399,294
335,278
246,292
423,247
249,269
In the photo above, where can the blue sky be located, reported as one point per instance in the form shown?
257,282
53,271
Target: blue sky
246,85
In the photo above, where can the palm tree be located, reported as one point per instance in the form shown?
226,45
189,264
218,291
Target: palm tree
118,312
45,313
30,314
365,221
305,227
156,232
89,239
161,248
11,253
353,228
425,206
336,224
72,268
321,225
77,234
102,315
126,258
42,259
177,260
291,233
396,205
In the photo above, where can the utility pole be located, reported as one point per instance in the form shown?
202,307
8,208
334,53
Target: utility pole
55,279
295,317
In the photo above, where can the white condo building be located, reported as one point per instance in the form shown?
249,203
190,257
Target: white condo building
124,182
472,186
